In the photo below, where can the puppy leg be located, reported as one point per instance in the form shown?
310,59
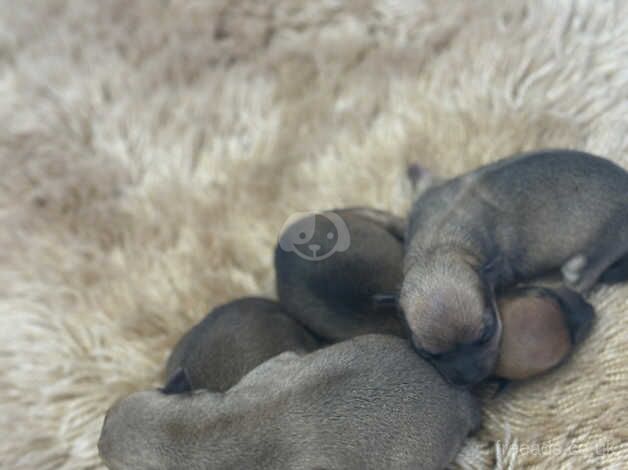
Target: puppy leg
617,273
584,270
572,269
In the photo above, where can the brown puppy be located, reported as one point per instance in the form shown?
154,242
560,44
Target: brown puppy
505,223
338,272
541,327
230,341
530,346
367,403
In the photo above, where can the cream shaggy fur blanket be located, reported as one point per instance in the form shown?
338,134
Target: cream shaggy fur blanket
151,150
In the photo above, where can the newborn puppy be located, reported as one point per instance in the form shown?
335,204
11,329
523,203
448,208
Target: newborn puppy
230,341
529,346
367,403
506,222
541,327
350,288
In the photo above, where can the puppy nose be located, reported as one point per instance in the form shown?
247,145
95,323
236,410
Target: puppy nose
314,247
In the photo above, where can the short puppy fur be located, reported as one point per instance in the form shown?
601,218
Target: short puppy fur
232,340
542,323
351,292
541,327
367,403
504,223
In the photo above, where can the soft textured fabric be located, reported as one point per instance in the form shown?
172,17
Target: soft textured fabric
151,150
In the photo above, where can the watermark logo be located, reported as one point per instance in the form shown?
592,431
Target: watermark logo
314,236
556,449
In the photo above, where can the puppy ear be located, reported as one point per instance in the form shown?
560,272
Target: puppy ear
179,382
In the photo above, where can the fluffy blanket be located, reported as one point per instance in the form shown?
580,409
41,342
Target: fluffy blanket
151,150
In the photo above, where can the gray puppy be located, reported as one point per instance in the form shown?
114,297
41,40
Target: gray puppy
503,223
338,272
230,341
367,403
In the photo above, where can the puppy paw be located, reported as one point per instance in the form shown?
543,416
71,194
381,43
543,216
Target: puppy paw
572,269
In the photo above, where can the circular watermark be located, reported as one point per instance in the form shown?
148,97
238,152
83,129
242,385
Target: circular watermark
314,236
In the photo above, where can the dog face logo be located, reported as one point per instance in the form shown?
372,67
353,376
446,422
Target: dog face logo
314,236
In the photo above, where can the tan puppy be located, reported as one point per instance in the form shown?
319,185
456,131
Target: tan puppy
541,327
367,403
557,316
230,341
505,223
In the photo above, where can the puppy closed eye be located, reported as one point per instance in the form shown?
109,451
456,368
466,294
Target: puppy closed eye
428,355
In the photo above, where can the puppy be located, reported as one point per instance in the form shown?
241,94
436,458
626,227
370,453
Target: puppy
230,341
367,403
529,347
504,223
541,326
351,291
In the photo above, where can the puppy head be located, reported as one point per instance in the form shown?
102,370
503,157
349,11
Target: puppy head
157,429
136,428
540,329
451,317
130,436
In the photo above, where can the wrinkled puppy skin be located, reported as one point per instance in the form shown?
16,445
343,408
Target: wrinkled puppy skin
541,327
367,403
348,291
230,341
505,223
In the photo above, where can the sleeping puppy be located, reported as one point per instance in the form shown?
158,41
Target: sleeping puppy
504,223
557,319
367,403
230,341
338,272
541,327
